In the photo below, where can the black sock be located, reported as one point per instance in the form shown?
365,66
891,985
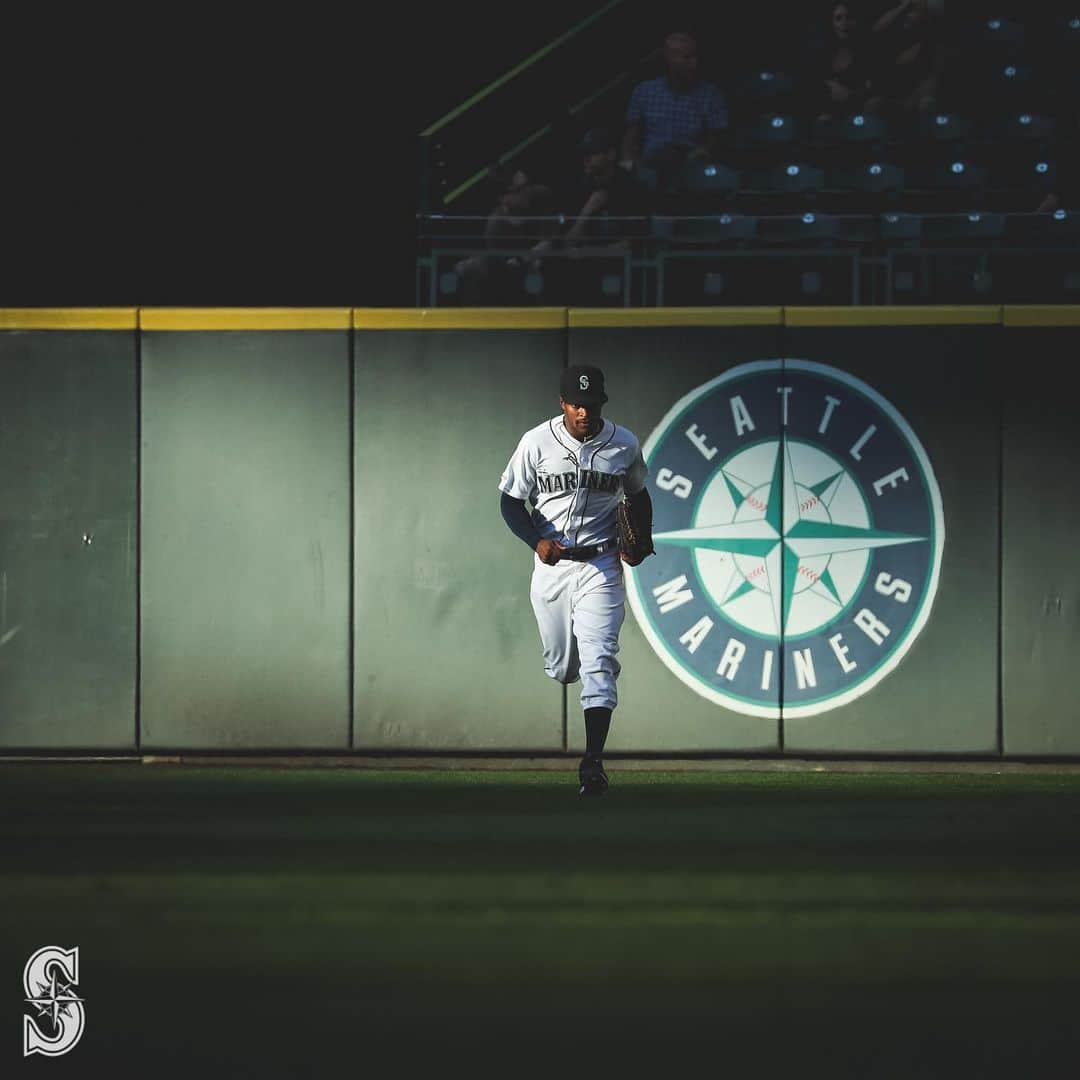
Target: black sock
597,722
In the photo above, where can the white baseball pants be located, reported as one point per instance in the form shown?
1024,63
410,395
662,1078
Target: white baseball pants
579,609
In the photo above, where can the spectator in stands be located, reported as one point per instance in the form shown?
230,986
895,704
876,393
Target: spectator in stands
607,211
837,79
610,192
607,192
508,226
910,58
675,117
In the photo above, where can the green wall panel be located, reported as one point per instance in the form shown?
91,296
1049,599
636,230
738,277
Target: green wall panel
67,539
246,508
245,524
649,370
447,651
941,695
1040,522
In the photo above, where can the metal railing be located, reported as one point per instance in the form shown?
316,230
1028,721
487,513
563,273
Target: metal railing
735,259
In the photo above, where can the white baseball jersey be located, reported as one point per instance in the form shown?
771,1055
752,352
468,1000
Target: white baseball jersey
574,486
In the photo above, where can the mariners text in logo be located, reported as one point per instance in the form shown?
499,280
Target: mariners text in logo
799,532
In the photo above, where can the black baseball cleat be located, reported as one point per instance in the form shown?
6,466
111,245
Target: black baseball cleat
592,777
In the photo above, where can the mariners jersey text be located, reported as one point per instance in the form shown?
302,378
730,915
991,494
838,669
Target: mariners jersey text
551,483
575,487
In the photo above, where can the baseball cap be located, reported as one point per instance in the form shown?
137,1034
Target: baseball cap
582,385
596,140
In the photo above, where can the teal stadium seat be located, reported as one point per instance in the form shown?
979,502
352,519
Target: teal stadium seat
944,127
704,179
872,187
858,129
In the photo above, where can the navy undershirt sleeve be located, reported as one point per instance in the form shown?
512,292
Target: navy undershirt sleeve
642,505
518,519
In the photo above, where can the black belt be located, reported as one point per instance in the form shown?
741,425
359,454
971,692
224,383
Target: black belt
588,551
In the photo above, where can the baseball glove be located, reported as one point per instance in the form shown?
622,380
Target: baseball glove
635,535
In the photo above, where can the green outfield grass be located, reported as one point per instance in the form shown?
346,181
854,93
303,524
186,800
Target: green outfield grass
313,921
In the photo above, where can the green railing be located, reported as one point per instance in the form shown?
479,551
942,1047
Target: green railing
556,89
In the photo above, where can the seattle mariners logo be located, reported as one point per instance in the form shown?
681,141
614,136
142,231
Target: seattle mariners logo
799,531
48,979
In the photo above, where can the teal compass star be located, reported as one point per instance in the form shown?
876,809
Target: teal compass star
785,533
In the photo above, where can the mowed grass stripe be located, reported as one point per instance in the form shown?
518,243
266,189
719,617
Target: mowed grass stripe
337,911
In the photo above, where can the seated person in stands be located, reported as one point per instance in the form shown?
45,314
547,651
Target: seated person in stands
675,117
837,77
508,226
606,211
910,56
607,191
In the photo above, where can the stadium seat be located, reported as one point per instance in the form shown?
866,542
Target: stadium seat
757,89
952,228
1026,175
958,175
860,128
1008,84
944,127
999,35
789,188
718,229
763,140
1057,228
841,141
793,177
701,188
768,130
867,188
1066,36
703,178
799,229
900,227
1019,125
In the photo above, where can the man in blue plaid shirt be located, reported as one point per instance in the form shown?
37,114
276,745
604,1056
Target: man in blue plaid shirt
676,117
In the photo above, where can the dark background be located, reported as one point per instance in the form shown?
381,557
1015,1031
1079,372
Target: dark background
233,159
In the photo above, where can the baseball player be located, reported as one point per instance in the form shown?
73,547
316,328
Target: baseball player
575,469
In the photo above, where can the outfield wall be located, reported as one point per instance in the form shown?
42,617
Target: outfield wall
278,529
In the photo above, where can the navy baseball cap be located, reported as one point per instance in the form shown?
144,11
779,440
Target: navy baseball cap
597,141
582,385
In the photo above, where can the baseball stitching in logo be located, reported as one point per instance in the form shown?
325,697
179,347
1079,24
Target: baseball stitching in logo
799,531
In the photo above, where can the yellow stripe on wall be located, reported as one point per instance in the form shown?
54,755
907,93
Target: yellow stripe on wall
929,315
68,318
537,318
675,316
1041,315
244,318
254,318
